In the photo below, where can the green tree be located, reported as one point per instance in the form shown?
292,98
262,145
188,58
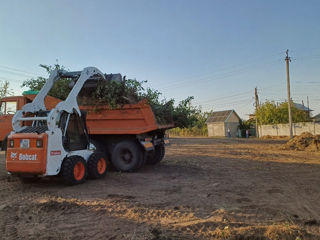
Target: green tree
60,88
185,115
201,117
115,94
5,89
247,124
267,113
297,114
271,113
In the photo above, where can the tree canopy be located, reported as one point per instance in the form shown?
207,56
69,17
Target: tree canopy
117,93
5,89
272,113
60,88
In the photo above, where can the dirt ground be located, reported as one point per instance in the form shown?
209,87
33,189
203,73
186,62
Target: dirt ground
204,189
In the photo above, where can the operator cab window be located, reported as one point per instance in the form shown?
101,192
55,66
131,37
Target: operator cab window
76,135
62,121
2,108
11,107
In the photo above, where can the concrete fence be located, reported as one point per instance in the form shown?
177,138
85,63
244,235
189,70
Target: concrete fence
283,129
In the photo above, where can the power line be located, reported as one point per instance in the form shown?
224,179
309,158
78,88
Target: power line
224,97
9,79
217,75
228,102
18,70
307,83
16,73
306,57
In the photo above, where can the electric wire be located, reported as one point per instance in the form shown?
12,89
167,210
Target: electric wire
18,70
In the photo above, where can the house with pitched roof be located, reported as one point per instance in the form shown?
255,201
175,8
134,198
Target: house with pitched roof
219,122
303,108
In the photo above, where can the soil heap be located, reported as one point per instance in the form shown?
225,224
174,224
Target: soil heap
304,142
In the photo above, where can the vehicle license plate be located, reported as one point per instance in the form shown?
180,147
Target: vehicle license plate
24,143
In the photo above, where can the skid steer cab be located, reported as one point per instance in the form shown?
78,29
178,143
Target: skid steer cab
56,142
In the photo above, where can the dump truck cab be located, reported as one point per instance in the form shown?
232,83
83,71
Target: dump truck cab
8,107
48,143
11,104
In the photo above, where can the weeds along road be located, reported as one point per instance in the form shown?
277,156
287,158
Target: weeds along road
203,189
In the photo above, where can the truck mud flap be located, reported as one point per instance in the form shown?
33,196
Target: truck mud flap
148,146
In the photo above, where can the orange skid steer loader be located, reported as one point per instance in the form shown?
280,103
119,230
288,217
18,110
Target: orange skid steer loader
48,143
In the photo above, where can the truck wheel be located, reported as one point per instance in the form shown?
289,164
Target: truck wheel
127,156
97,166
143,160
74,170
156,155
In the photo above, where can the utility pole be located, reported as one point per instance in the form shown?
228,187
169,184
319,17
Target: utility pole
308,107
288,59
257,106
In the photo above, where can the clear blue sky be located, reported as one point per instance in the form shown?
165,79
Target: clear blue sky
217,51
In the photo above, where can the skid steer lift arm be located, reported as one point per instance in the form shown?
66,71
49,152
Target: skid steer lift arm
69,105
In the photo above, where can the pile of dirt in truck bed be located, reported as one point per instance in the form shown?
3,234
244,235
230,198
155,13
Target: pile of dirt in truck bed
304,142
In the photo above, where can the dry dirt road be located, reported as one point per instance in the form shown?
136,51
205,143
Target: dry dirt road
203,189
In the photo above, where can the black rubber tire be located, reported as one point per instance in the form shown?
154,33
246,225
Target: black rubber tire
92,166
68,170
143,160
156,155
127,156
162,151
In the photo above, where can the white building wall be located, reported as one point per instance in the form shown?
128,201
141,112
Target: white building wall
283,129
233,118
216,129
233,126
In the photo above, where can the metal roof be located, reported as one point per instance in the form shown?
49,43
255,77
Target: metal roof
316,117
221,116
302,107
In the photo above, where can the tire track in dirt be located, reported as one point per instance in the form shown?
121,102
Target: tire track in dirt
115,208
217,225
204,189
9,230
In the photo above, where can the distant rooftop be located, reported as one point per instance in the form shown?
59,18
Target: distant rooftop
316,117
221,116
302,107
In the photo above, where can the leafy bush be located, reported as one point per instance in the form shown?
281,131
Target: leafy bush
117,93
272,113
189,132
60,88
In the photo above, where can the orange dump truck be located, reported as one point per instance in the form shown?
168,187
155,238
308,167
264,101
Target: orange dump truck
77,140
9,106
129,136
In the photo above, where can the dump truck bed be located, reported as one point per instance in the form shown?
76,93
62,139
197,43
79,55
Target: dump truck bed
129,119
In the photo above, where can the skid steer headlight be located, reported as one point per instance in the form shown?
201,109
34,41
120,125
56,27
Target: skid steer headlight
39,143
11,143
